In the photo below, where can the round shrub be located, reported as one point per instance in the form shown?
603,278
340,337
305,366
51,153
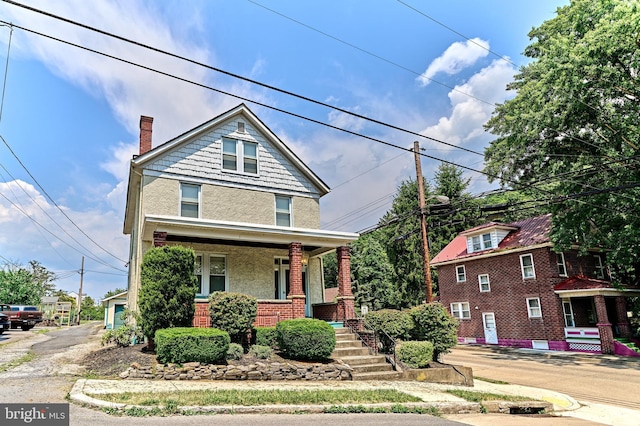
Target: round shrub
306,338
235,351
261,352
266,336
432,322
415,354
233,313
187,344
397,324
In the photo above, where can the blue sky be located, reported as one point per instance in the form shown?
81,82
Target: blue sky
71,116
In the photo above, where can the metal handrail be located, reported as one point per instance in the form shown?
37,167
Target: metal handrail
391,357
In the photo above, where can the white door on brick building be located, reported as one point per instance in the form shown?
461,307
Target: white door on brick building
490,331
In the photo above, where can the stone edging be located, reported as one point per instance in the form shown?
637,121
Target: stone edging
255,371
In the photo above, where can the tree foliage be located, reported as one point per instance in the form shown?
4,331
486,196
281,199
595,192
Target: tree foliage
574,126
167,289
20,285
372,274
233,313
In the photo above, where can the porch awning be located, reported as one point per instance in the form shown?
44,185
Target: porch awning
581,286
316,241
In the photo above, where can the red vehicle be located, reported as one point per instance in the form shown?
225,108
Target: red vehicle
23,316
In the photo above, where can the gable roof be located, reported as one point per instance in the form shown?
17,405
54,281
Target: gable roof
140,162
524,234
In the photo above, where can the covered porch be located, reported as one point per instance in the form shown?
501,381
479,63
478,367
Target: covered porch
280,266
595,313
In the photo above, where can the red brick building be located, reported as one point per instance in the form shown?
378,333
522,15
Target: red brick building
508,287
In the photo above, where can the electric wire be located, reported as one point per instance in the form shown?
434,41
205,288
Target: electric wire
6,71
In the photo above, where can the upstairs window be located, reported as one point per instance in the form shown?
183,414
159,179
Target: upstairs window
283,210
526,263
461,274
240,156
189,200
599,267
481,242
483,281
562,266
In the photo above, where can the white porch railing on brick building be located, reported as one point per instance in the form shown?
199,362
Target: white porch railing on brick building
586,339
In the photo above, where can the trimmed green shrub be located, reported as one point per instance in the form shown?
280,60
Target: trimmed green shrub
167,290
233,313
126,334
415,354
266,336
261,352
188,344
397,324
433,323
235,351
305,338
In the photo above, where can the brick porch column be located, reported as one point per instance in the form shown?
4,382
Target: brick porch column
604,326
345,296
622,321
159,239
296,293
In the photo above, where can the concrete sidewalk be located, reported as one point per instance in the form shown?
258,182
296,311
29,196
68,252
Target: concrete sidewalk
88,391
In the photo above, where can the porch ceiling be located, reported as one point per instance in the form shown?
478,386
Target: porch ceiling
580,286
248,234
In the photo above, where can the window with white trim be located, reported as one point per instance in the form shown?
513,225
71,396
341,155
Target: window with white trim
568,313
562,266
240,156
211,272
599,267
283,210
460,310
481,242
526,263
461,274
189,200
483,281
533,307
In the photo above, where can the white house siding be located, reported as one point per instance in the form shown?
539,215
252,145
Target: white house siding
202,159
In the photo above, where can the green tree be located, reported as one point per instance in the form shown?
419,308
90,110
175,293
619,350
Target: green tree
372,274
113,292
573,125
167,290
330,270
18,286
89,310
42,277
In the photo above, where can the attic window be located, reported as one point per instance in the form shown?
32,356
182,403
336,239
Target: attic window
481,242
241,127
240,156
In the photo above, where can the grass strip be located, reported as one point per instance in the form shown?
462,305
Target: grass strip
259,397
484,379
473,396
16,362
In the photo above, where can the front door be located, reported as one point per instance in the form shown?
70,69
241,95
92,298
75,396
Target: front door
281,281
117,318
490,332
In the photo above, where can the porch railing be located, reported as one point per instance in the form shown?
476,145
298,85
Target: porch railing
360,326
585,339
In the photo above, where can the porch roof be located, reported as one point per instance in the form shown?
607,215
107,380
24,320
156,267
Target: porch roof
316,241
581,286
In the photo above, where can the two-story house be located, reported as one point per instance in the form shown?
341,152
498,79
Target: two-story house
247,205
506,286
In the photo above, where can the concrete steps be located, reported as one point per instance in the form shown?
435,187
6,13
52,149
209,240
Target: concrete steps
366,366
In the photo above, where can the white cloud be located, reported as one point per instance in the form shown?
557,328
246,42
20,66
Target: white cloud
469,114
458,56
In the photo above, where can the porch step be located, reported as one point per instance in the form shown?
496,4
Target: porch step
355,360
344,344
340,353
376,375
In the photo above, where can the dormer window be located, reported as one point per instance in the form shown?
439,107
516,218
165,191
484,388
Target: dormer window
481,242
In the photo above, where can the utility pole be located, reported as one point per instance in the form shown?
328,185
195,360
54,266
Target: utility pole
423,224
80,292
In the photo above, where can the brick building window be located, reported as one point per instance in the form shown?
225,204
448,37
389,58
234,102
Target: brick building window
460,310
481,242
599,267
189,200
483,281
562,266
533,307
461,274
526,263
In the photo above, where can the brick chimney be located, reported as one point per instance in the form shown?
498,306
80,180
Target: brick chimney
146,124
